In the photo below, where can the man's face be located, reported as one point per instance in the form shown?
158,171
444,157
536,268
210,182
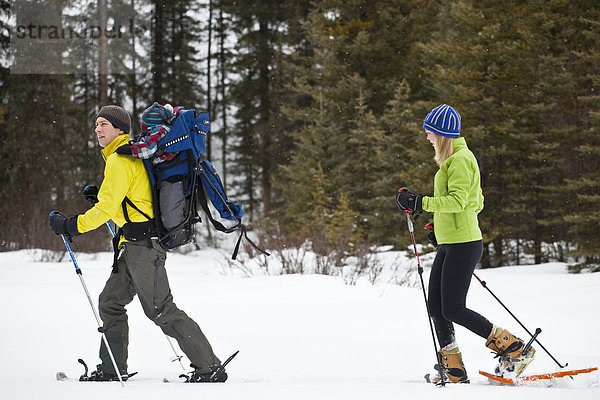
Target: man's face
105,131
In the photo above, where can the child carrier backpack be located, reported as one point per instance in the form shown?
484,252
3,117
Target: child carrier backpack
181,177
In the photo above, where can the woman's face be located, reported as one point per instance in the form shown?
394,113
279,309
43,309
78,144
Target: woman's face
431,138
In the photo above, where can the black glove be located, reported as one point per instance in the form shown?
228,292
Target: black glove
62,225
431,234
90,193
407,200
124,150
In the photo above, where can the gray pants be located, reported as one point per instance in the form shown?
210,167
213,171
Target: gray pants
142,272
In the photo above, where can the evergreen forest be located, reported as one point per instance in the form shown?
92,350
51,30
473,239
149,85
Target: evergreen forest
317,110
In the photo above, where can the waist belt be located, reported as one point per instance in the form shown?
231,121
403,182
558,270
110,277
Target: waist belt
134,232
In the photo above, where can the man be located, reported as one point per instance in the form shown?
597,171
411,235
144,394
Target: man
125,197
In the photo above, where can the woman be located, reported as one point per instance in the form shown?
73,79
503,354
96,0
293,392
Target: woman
456,202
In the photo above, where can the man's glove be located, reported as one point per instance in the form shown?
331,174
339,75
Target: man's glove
431,234
407,200
62,225
124,150
90,193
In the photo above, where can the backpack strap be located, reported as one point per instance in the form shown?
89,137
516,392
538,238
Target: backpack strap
220,227
245,235
115,242
136,231
126,202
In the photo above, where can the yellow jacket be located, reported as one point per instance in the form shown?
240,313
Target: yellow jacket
123,176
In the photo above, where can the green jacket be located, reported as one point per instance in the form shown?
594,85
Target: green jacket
457,197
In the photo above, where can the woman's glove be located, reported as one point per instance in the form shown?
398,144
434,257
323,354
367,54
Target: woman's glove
407,200
431,234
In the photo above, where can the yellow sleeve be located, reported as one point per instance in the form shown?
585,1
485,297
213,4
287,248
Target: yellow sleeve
117,179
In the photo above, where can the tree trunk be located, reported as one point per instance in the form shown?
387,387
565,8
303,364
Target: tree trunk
264,128
158,63
209,76
132,76
103,54
223,99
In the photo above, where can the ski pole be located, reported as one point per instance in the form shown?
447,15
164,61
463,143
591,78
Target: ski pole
87,293
177,356
110,228
533,337
420,270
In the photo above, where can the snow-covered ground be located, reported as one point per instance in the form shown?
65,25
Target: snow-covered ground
299,336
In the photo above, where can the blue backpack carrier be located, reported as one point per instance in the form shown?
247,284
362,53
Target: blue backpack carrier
186,179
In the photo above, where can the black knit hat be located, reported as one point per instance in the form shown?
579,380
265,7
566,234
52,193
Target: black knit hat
117,116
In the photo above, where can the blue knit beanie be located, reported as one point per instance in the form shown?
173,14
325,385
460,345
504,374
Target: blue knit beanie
157,115
444,121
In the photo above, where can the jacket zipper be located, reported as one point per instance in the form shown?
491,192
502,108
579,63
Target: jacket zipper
455,223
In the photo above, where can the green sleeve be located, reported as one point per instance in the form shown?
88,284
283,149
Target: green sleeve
459,176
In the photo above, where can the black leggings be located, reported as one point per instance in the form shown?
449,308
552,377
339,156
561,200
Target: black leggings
448,286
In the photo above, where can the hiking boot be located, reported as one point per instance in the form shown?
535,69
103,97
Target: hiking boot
217,375
453,367
509,350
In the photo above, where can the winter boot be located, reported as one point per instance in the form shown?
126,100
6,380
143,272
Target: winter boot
216,375
452,366
509,350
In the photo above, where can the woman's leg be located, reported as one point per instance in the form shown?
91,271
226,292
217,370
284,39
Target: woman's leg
459,263
443,327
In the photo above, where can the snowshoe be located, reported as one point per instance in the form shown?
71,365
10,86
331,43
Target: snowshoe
511,352
217,374
100,376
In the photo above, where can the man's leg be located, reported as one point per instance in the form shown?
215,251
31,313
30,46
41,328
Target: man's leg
117,293
147,267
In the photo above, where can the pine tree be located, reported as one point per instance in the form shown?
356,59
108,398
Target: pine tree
317,150
174,57
342,81
255,28
481,67
261,39
583,206
343,232
408,156
359,175
539,212
220,110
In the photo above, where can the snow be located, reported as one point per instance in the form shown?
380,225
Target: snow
299,336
